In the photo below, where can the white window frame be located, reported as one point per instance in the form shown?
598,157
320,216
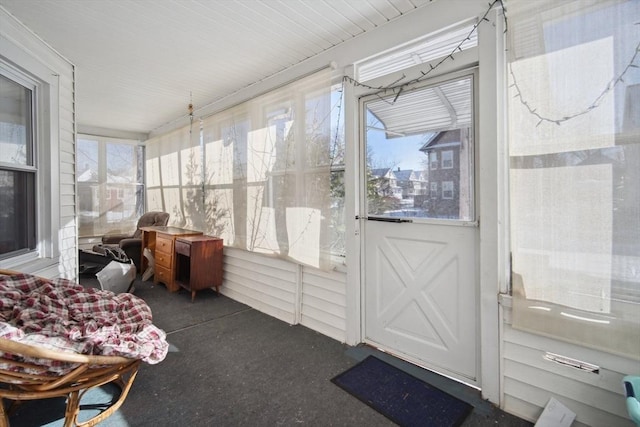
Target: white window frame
30,166
433,160
46,158
447,186
433,191
447,159
111,191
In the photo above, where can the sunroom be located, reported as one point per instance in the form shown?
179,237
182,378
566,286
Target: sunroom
501,246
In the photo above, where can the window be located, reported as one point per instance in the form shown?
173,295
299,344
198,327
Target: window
409,130
337,227
18,169
574,161
434,190
433,160
447,159
110,184
268,173
447,189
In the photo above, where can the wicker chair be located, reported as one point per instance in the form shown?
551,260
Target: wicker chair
92,371
23,378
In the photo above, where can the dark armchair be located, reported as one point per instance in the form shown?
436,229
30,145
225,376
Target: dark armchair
131,244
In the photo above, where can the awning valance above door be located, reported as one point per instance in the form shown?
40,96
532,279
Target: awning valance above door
443,107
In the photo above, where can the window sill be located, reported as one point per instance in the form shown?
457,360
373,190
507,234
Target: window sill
36,266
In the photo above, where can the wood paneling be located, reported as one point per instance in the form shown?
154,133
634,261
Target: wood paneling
167,53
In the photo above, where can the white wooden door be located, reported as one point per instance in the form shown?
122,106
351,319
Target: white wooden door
420,234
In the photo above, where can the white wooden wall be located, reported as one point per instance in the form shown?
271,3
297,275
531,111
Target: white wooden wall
287,291
68,234
529,380
264,283
57,214
323,302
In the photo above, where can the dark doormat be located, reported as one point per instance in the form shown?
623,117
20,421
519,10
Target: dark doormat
404,399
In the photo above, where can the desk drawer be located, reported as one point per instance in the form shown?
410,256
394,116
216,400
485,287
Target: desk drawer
164,245
163,275
163,259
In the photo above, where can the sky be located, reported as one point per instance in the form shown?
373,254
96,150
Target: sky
395,152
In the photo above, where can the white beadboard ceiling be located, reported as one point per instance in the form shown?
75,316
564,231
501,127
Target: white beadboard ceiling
138,62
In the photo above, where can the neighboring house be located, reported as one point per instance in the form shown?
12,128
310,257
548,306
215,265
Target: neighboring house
403,185
413,183
114,198
386,182
448,167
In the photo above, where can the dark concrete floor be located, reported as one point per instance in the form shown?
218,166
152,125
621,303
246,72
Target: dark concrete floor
230,365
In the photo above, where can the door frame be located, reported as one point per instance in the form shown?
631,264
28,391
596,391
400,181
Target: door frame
491,202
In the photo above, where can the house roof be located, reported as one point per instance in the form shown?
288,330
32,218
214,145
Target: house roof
441,139
403,175
380,172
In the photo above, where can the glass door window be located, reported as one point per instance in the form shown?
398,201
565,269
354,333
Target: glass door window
417,144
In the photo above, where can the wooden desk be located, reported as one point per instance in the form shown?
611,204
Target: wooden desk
198,263
160,241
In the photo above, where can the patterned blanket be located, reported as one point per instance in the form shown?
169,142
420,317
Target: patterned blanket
61,315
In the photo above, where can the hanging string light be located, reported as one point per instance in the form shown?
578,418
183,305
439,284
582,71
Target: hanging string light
396,89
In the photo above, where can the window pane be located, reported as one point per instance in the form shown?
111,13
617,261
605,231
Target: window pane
447,159
434,161
87,160
434,190
447,190
574,172
337,225
88,188
110,185
17,217
267,174
15,123
414,142
121,184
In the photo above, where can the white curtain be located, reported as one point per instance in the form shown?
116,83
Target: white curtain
574,143
172,173
259,177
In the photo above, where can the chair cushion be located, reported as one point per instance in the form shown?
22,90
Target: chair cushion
114,238
153,218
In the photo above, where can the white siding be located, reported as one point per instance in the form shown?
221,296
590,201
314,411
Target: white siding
68,230
529,380
265,283
287,291
23,48
323,302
